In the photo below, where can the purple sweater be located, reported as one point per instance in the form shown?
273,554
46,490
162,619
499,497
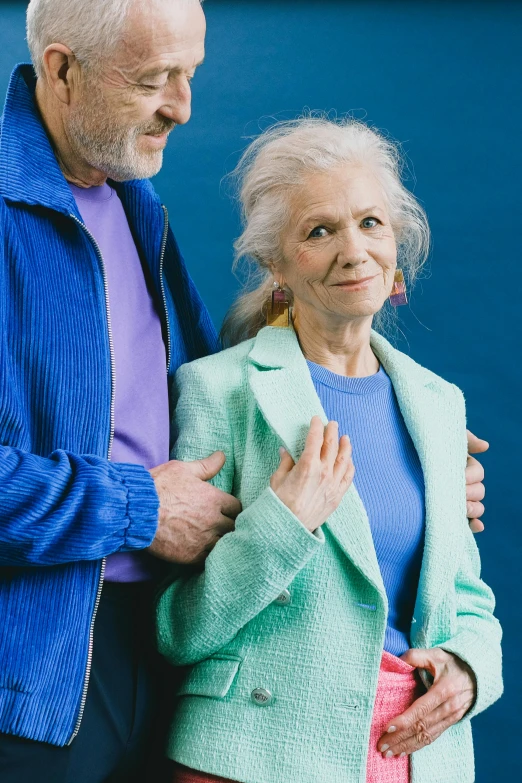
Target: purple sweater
141,413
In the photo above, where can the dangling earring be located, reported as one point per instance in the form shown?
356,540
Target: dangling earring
398,293
278,310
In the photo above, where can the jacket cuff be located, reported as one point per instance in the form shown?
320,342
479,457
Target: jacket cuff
285,541
486,664
142,506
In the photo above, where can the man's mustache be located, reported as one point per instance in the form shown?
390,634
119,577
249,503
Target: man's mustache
157,129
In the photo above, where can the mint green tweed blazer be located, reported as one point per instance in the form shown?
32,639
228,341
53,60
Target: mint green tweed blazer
315,648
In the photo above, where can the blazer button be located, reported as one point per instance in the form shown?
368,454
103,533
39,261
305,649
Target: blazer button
284,598
261,697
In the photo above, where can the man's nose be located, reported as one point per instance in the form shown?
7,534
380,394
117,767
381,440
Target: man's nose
177,104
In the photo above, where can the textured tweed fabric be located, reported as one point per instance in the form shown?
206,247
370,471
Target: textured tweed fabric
397,689
282,631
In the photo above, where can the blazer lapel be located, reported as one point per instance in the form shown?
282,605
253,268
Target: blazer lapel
438,434
285,393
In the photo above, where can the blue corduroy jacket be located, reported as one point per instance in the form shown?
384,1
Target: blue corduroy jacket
63,505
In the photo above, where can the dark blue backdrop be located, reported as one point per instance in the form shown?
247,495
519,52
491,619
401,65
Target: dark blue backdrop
444,78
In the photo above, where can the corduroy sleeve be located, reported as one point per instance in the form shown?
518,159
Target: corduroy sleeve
68,507
202,611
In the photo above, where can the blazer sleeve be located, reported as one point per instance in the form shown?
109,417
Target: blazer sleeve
478,636
204,609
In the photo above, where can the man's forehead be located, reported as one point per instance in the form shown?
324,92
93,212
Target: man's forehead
163,36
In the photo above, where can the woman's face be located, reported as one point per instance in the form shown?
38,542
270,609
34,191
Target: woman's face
339,249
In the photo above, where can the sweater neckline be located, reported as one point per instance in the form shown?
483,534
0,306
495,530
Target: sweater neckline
369,384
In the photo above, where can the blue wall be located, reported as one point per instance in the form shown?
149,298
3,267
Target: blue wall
444,78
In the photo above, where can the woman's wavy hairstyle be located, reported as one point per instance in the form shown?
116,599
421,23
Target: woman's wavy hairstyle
279,160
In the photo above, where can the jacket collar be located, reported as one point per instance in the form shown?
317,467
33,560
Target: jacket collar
285,393
29,171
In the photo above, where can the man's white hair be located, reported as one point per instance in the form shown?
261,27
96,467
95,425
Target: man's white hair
92,29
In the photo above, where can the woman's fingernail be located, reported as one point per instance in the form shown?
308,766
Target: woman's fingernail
391,729
402,755
384,747
388,754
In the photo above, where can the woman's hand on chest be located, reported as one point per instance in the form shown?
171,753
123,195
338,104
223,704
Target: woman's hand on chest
313,487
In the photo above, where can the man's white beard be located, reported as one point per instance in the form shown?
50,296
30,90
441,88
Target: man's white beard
97,139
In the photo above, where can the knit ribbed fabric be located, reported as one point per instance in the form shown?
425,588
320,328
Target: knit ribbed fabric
388,477
397,689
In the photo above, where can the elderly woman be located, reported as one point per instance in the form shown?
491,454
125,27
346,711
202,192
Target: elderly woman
343,627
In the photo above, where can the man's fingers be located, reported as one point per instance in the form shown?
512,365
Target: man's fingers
476,526
474,471
475,492
474,510
224,525
230,506
208,467
476,445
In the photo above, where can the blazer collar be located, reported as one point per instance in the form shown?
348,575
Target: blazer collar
285,393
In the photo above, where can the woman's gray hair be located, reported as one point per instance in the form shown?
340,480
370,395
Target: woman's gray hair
92,29
279,160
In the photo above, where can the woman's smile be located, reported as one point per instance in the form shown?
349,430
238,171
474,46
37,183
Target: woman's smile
355,285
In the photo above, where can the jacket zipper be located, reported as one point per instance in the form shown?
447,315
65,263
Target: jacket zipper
109,451
111,433
162,282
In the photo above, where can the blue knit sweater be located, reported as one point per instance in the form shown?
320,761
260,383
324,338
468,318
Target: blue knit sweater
63,505
388,477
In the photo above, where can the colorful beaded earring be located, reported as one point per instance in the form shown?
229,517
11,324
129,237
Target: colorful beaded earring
278,310
398,293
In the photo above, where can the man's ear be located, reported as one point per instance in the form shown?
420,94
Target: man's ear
58,62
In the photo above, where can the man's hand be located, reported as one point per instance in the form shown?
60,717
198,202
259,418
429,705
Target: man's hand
450,697
193,514
475,489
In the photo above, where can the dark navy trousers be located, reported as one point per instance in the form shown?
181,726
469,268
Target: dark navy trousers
123,730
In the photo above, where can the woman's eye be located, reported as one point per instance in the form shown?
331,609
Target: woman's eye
370,222
318,232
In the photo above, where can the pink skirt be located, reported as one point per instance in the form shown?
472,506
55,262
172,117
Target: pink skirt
397,689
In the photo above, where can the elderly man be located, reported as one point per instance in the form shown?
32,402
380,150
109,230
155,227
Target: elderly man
97,313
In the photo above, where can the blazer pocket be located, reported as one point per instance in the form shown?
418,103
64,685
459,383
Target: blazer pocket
211,678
